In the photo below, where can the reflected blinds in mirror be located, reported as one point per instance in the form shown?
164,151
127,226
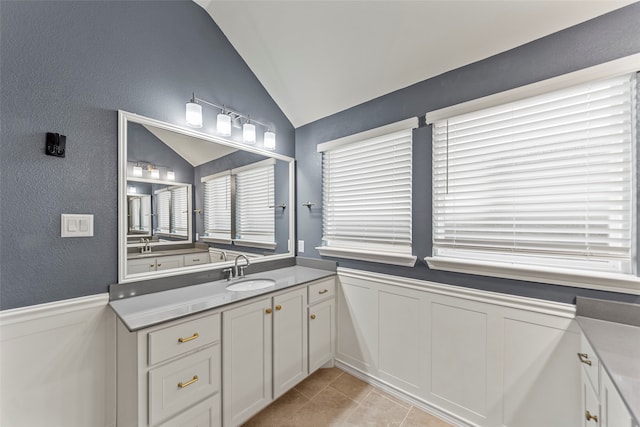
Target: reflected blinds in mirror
254,204
172,211
217,207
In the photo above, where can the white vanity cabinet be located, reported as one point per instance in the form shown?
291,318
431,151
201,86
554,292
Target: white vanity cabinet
145,265
170,374
264,352
322,324
601,403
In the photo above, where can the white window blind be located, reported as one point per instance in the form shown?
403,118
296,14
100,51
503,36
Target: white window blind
163,212
255,212
179,211
546,181
217,207
367,197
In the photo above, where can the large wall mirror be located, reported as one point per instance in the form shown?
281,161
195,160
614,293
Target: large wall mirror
190,202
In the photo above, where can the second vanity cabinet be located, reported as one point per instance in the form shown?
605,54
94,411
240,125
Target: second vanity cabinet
322,324
169,375
264,352
145,265
601,404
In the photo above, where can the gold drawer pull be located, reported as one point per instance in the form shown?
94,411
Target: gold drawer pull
590,417
278,307
584,358
188,383
268,311
324,291
195,259
192,337
313,316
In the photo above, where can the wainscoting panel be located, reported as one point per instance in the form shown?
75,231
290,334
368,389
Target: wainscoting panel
57,364
478,358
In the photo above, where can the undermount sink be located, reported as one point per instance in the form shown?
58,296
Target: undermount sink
251,285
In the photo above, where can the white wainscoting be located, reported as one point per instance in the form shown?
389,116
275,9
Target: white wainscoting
475,358
57,364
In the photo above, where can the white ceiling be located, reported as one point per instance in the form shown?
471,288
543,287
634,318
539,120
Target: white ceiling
316,58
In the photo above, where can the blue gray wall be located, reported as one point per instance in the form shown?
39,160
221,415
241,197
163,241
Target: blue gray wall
67,67
603,39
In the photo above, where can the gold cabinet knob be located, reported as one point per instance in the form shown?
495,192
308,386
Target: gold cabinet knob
590,417
584,358
152,265
313,316
278,307
268,311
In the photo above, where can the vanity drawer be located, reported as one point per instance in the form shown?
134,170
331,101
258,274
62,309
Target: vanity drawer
322,289
178,385
589,362
196,259
204,414
183,337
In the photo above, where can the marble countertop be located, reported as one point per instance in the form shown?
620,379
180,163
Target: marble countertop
147,310
618,348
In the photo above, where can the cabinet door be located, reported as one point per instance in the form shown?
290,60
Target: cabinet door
168,262
289,340
144,265
613,410
322,331
590,404
246,361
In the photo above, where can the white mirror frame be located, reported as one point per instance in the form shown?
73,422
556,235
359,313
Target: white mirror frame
124,118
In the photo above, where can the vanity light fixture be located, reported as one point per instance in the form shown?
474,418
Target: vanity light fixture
228,118
270,140
249,133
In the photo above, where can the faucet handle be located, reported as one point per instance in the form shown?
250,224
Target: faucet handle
228,273
241,270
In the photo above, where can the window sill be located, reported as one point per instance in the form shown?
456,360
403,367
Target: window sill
255,244
381,257
216,240
603,281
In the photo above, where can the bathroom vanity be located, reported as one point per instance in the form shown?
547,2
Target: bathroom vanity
204,355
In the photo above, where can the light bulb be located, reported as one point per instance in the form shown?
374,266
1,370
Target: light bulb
194,114
171,175
224,124
137,171
269,140
155,173
249,133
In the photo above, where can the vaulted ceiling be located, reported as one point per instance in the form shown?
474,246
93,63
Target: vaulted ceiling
316,58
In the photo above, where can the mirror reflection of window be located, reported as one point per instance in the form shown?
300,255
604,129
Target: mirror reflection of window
255,204
217,207
172,211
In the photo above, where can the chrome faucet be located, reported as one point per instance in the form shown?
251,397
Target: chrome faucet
223,255
239,270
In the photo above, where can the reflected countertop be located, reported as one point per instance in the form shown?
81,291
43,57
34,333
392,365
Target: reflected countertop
147,310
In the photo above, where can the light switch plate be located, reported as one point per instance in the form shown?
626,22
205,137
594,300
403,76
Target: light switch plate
76,225
301,246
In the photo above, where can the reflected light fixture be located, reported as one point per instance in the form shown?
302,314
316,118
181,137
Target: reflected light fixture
137,170
228,118
155,173
171,175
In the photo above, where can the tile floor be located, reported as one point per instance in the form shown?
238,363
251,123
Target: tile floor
331,397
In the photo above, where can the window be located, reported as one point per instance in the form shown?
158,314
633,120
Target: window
366,200
250,191
255,218
546,182
173,211
217,207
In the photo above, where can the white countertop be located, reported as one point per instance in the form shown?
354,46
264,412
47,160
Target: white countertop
147,310
618,348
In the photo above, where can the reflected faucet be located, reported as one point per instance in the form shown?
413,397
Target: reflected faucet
239,270
223,255
146,248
